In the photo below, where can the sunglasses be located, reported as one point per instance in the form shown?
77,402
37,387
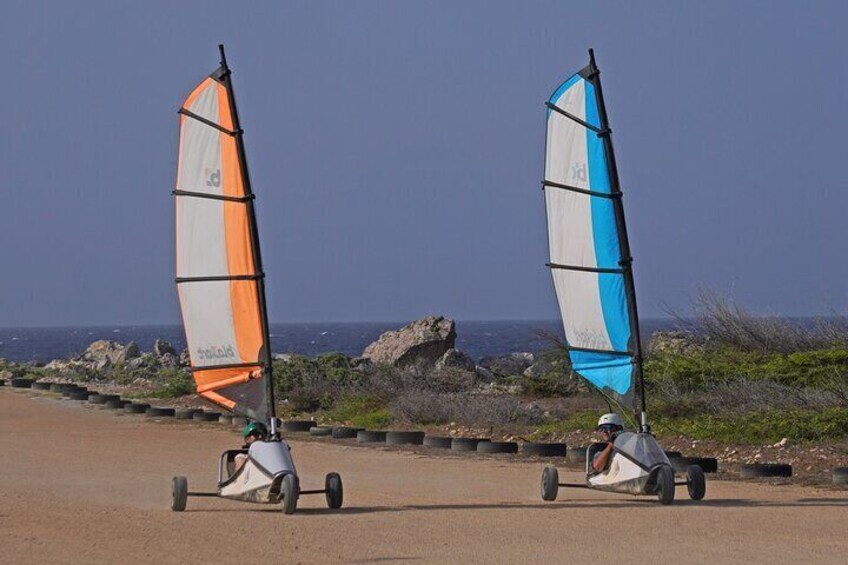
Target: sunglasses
606,428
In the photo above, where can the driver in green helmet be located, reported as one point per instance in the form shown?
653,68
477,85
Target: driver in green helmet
252,432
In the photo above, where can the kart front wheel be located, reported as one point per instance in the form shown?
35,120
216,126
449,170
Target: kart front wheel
334,490
179,494
550,483
290,492
665,485
695,482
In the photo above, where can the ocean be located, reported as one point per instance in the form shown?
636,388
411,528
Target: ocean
477,339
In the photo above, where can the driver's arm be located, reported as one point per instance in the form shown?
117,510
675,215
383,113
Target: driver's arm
599,463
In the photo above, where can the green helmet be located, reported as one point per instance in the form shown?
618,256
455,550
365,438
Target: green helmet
254,427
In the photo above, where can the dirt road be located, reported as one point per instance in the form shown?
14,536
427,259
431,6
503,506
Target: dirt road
80,484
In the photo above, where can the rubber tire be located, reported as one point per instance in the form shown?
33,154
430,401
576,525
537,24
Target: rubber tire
299,425
440,442
21,383
185,413
544,449
371,436
680,464
102,398
665,485
765,470
321,431
550,483
290,492
576,455
335,490
156,412
81,395
225,419
202,416
671,454
404,438
136,408
179,494
696,484
40,386
497,447
57,387
345,432
68,391
840,476
116,404
466,443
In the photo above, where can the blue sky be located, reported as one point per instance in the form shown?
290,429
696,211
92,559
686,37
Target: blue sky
396,151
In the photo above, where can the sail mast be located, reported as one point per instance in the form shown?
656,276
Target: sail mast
626,261
254,238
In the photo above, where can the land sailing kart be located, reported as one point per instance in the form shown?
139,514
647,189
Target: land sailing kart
268,476
638,466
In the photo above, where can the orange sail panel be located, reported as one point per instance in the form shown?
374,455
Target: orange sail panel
217,278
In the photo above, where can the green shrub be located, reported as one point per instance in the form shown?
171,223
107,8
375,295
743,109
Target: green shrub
362,411
176,383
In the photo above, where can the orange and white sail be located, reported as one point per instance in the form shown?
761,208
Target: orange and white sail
219,276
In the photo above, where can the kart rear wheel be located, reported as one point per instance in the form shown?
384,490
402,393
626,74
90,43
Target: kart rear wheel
179,494
550,483
665,485
695,482
290,492
335,491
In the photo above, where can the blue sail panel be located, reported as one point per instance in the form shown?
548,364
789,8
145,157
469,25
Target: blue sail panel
583,238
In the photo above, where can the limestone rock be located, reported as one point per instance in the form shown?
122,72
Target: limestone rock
455,359
508,365
162,347
675,342
422,341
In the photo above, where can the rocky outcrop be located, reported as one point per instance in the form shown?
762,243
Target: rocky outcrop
105,353
674,342
162,347
508,365
423,341
455,359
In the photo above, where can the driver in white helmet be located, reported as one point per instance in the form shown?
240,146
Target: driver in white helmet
610,426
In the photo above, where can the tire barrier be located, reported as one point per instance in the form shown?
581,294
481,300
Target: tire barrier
708,464
225,419
497,447
371,436
58,387
321,431
72,389
115,404
21,383
345,432
298,425
40,386
466,443
136,408
576,455
755,470
671,454
544,449
404,438
81,395
185,413
441,442
156,412
102,398
206,416
840,476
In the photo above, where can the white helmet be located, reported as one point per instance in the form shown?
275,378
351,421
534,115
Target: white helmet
611,418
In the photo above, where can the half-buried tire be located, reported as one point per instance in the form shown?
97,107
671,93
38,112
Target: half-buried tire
81,395
840,476
22,383
755,470
707,464
544,449
40,386
442,442
371,436
156,412
497,447
206,416
321,431
225,419
466,443
185,413
345,432
115,404
136,408
404,438
298,425
102,398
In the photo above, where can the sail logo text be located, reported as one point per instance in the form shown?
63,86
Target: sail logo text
578,172
216,352
213,177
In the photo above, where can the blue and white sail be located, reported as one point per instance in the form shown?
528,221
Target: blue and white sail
589,260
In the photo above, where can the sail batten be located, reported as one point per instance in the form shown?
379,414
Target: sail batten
219,277
589,258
